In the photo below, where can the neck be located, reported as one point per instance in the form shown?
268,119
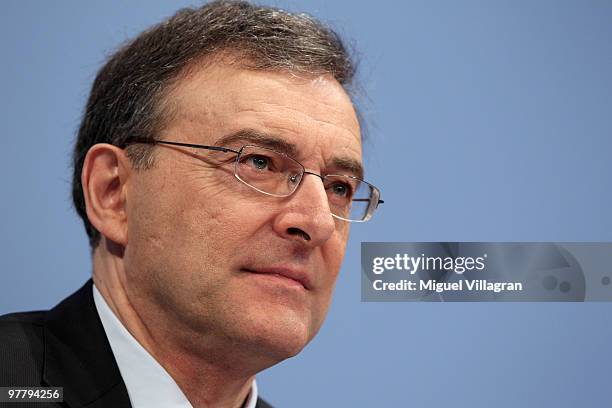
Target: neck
208,376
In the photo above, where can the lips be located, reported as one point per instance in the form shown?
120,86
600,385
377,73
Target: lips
296,275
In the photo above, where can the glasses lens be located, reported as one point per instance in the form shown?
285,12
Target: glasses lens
268,171
350,198
273,173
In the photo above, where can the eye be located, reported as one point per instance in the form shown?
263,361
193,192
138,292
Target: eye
258,162
341,189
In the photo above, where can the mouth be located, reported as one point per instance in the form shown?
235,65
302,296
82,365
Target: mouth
288,276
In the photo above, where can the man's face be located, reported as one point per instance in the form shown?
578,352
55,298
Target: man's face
213,261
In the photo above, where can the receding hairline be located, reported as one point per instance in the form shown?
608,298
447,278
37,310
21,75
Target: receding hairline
166,106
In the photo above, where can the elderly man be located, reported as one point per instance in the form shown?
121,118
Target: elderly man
217,170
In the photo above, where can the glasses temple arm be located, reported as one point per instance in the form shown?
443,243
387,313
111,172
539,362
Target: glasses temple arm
196,146
367,199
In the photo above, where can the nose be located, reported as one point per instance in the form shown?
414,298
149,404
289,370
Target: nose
306,216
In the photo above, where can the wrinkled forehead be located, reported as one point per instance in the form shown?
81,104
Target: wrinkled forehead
312,112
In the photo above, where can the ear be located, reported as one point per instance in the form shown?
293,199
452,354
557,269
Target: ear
104,178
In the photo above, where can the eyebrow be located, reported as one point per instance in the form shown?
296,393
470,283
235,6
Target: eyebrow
260,139
348,165
345,164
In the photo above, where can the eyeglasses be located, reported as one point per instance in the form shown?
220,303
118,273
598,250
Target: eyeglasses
278,175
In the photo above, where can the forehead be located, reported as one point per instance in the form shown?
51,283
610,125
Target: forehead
314,113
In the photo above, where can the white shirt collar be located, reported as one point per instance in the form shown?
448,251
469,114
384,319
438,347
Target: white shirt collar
148,384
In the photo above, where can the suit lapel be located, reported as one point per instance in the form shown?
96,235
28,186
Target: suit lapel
78,356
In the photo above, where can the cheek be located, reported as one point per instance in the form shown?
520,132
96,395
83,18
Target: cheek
338,244
333,257
205,229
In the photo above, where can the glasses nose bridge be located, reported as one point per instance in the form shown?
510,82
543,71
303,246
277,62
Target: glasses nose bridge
311,173
321,203
314,174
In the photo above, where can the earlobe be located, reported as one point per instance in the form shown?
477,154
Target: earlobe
104,179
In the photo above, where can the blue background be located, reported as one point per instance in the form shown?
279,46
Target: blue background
488,121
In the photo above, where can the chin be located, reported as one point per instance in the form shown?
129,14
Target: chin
280,339
278,350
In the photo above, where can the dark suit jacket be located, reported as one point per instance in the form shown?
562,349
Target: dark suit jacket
64,347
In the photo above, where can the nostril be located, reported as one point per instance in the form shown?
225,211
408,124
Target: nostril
297,231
